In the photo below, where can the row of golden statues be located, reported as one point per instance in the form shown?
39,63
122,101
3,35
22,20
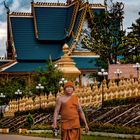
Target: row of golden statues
88,96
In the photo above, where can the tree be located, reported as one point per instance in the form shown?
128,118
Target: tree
131,43
136,27
107,34
10,86
48,78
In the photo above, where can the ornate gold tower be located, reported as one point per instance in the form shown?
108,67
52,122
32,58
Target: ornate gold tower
67,66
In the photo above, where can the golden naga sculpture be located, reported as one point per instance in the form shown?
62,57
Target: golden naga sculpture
88,97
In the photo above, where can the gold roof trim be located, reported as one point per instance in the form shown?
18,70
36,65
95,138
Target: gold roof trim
34,19
82,53
11,37
7,65
97,5
90,14
20,14
74,14
49,4
16,73
78,32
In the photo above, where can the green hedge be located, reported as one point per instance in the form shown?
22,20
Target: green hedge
40,110
41,127
100,127
121,101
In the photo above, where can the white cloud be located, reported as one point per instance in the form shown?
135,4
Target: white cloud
1,9
25,10
49,0
15,5
3,46
3,32
131,13
3,35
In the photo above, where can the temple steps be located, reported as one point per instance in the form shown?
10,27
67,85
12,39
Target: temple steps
123,115
42,119
126,114
106,114
14,123
133,120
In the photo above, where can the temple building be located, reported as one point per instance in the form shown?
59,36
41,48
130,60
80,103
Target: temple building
34,37
124,71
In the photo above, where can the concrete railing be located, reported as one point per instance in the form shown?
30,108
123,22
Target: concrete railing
4,130
22,130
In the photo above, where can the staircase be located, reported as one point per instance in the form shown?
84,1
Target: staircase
124,115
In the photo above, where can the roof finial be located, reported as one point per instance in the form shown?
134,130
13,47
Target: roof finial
65,49
69,2
6,6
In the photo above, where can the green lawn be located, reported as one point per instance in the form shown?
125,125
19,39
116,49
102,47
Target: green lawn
100,138
84,137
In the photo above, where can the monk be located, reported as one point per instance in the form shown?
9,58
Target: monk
71,113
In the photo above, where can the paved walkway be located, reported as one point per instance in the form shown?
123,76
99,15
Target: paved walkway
19,137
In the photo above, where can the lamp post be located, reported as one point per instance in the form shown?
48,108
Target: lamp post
137,66
1,96
39,87
102,73
118,72
55,66
62,81
18,92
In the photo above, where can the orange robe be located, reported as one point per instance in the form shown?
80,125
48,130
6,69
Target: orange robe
70,128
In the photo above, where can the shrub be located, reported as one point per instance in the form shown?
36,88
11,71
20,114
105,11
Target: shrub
41,127
29,121
49,110
122,101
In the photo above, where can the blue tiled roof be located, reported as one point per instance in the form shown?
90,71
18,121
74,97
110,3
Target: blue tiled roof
85,62
53,22
69,16
81,63
27,46
70,41
27,67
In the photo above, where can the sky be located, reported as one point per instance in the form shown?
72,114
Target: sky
131,9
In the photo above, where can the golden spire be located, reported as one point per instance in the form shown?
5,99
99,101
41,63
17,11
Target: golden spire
67,66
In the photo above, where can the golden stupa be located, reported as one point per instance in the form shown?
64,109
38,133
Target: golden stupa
67,66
